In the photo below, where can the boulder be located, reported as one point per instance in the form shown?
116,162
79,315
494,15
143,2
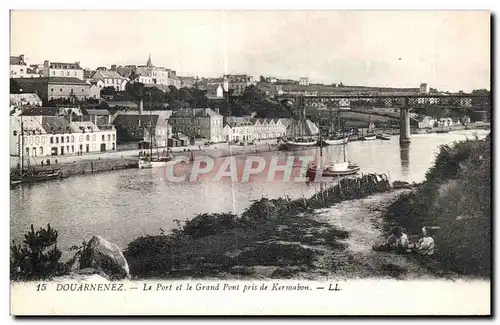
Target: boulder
104,256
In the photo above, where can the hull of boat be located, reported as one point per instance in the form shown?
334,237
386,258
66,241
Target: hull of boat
371,137
35,179
301,144
383,137
351,170
336,141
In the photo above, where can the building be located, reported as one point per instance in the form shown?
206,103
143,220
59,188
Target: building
194,122
26,99
444,122
135,128
61,69
151,75
424,88
238,83
57,136
426,122
304,81
238,129
268,128
94,91
107,78
55,88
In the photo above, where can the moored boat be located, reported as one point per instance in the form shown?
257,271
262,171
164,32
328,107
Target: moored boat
334,170
370,137
301,142
338,141
383,137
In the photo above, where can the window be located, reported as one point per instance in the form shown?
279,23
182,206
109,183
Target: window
67,73
87,137
74,73
113,137
27,151
62,139
53,73
81,138
21,70
60,89
43,140
67,138
72,138
72,148
103,139
40,150
33,151
37,140
93,137
57,139
109,137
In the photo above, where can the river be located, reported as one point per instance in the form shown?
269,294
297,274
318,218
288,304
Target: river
126,204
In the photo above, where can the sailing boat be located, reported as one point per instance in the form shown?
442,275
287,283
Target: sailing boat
300,141
335,138
370,135
334,169
149,161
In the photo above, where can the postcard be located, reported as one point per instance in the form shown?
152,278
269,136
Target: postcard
264,162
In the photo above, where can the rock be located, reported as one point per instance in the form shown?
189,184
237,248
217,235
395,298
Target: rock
104,256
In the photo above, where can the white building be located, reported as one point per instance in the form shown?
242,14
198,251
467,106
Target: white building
61,69
151,75
268,128
444,121
304,81
238,129
426,122
105,78
55,136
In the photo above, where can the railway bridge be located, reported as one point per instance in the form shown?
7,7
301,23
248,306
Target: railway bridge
405,103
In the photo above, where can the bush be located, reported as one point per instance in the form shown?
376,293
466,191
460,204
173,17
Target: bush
209,224
38,257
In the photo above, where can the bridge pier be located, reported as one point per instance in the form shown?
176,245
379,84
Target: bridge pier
404,126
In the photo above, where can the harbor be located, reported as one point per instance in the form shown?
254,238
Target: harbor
124,204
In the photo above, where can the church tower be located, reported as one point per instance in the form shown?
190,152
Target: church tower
149,63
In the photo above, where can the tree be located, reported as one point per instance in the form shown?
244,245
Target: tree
109,90
14,87
133,76
252,95
38,257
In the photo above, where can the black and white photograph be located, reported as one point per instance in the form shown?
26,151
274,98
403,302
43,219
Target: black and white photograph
250,162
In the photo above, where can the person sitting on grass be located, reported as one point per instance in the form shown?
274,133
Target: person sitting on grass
398,241
425,246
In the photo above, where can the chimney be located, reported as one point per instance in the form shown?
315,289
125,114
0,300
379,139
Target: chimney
141,108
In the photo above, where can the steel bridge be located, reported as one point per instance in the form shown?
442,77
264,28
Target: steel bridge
404,103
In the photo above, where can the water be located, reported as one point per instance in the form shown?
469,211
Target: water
123,205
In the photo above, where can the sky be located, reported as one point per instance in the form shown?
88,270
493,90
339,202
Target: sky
450,50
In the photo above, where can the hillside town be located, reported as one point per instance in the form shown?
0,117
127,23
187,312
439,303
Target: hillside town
62,108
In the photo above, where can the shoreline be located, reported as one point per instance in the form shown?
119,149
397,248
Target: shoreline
127,159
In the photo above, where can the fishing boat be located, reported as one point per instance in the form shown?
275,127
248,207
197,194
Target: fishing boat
336,141
303,133
333,169
149,161
33,175
301,142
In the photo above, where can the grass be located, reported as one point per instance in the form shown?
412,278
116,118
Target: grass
280,234
456,197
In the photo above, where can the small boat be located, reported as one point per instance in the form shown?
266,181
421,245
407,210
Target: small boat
336,141
383,137
442,131
370,137
301,142
146,163
334,170
35,176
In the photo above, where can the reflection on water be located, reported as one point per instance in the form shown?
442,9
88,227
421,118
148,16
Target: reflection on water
123,205
404,156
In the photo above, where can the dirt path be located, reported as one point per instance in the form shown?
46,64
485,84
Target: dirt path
362,219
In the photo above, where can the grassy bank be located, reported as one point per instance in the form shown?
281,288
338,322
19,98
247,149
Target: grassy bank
456,198
272,238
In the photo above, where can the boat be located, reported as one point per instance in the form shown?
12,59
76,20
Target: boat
370,137
149,161
333,169
383,136
301,142
34,176
336,141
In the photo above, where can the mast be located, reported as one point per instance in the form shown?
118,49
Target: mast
22,145
342,128
150,129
